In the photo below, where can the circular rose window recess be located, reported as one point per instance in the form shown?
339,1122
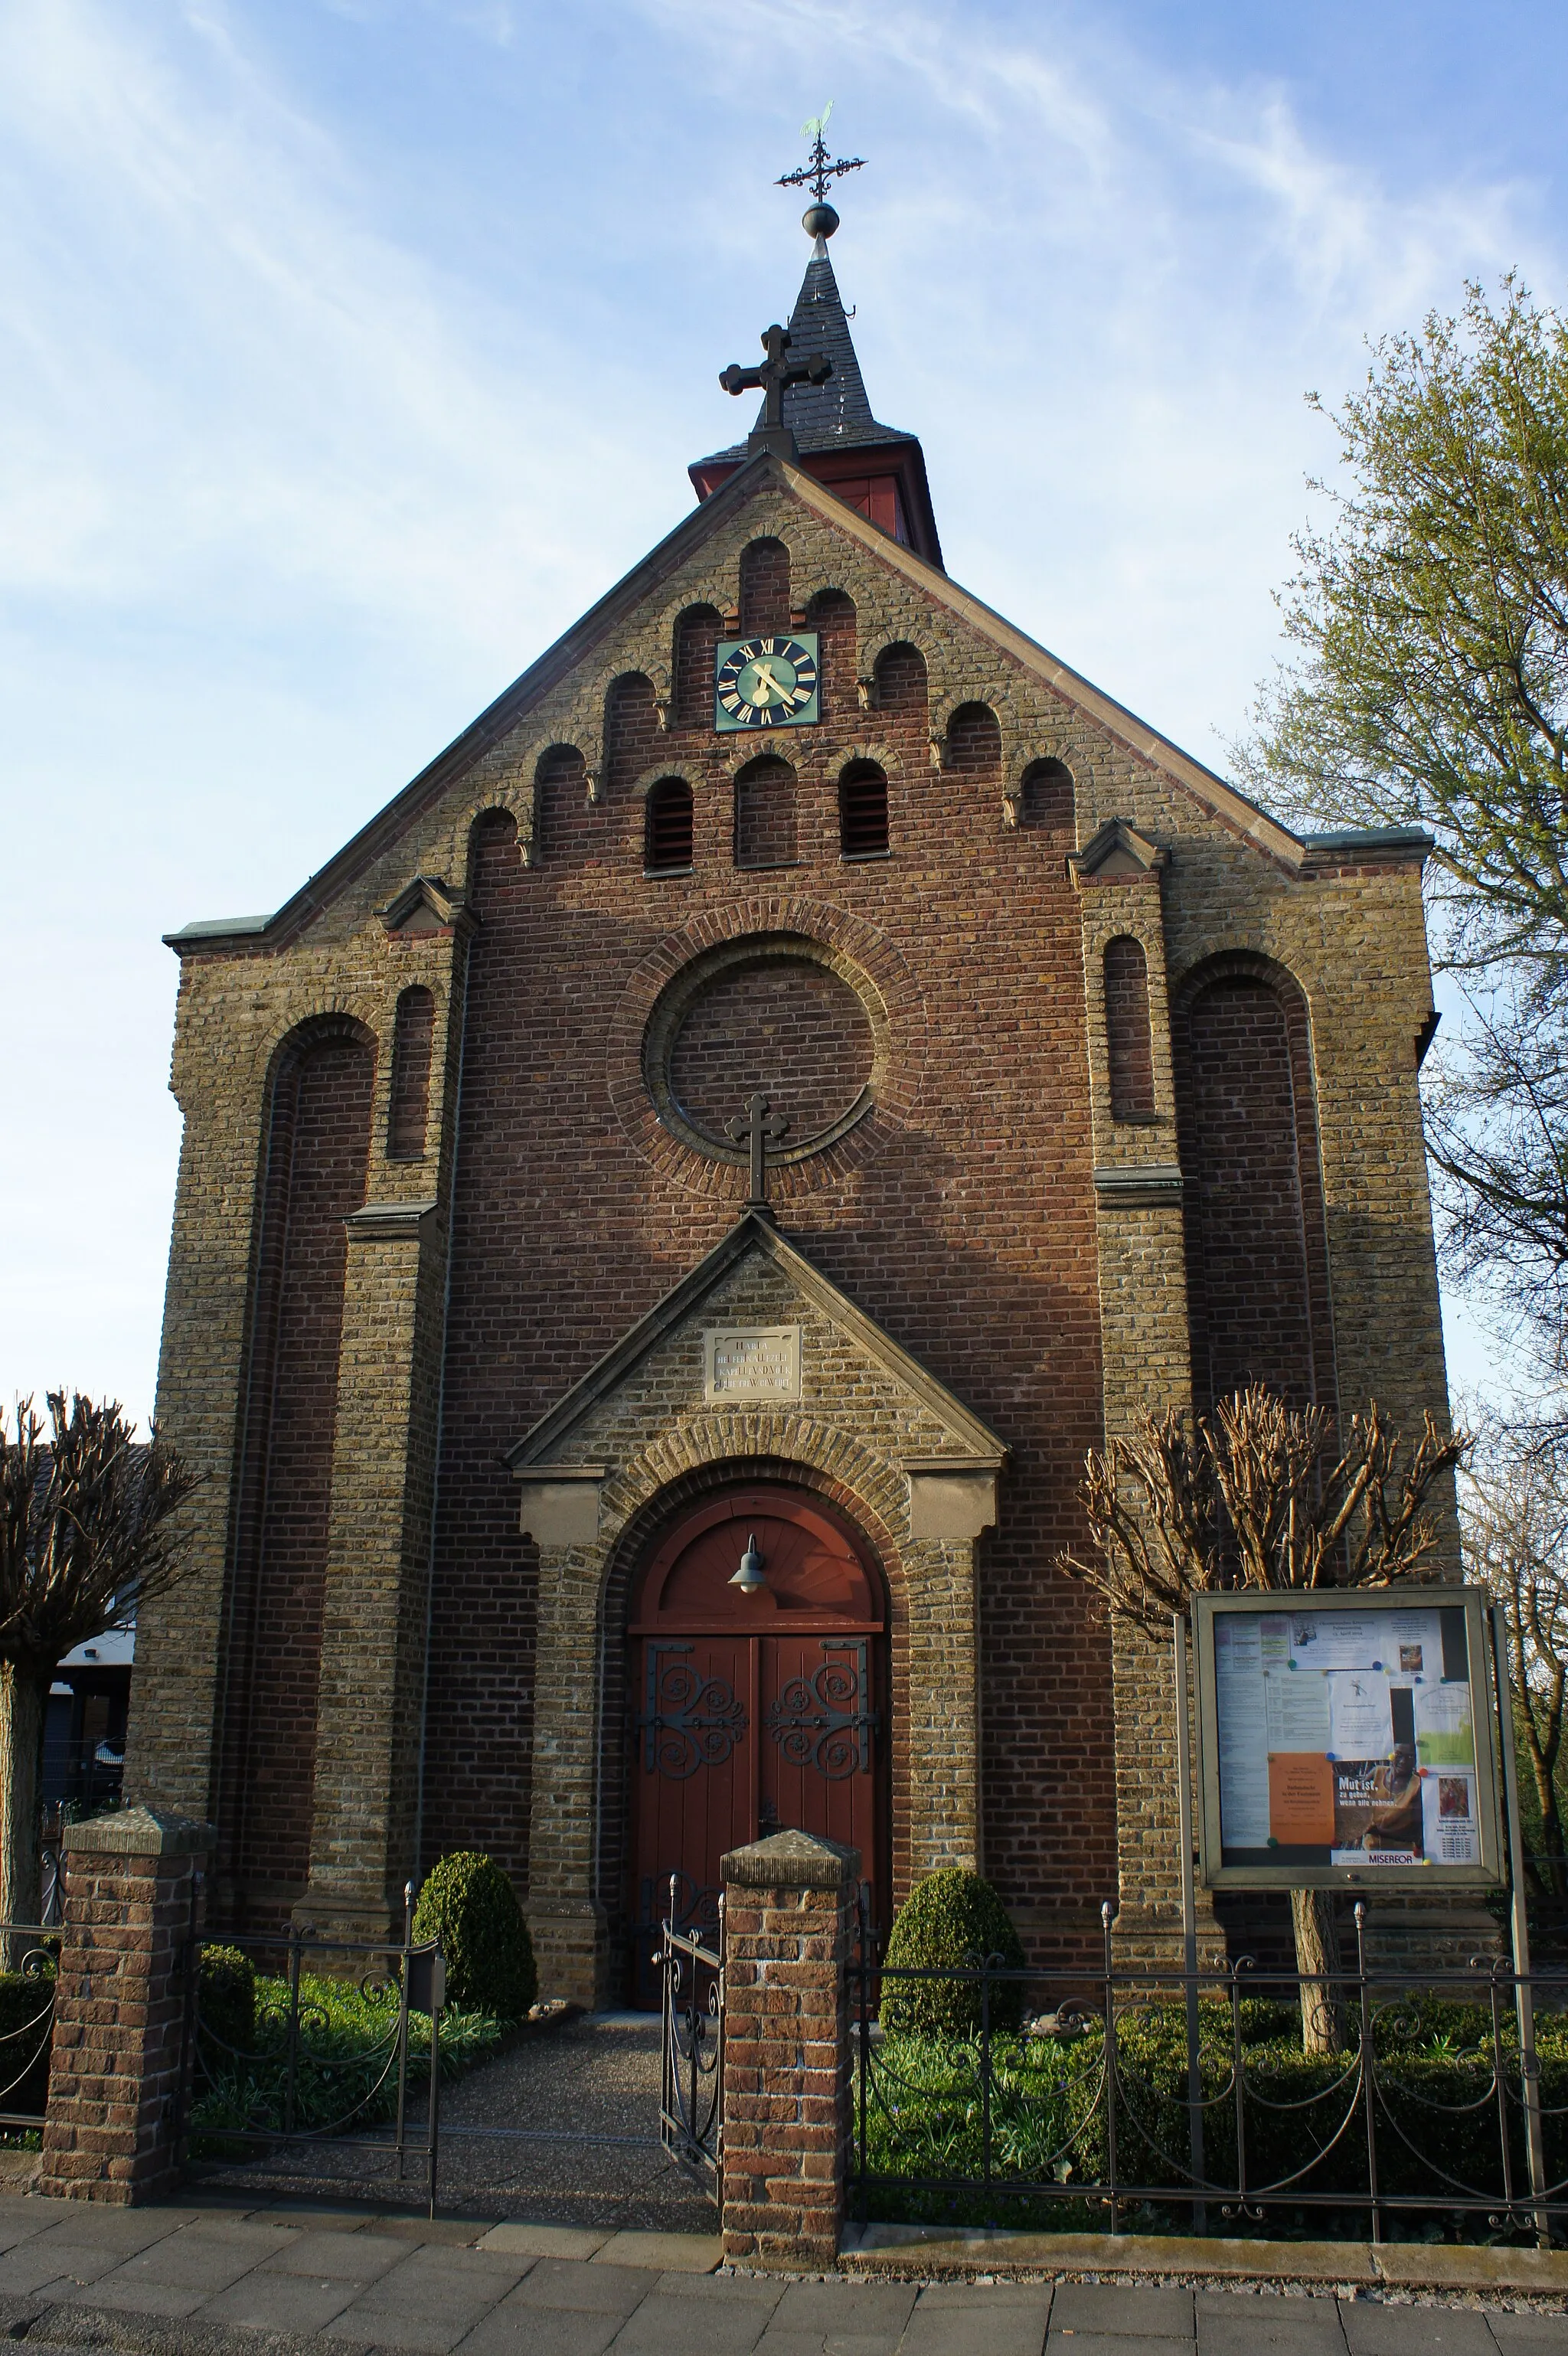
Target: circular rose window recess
775,1014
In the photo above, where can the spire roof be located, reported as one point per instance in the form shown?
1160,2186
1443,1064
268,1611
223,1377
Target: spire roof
836,415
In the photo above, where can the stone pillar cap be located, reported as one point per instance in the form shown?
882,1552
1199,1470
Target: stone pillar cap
792,1860
141,1832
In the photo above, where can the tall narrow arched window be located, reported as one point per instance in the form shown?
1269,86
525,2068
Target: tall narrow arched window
1047,795
901,683
667,841
765,813
316,1147
974,742
1257,1253
631,729
862,811
1127,1035
409,1110
696,636
764,586
831,614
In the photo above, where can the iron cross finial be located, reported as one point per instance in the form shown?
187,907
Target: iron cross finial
776,375
816,172
759,1127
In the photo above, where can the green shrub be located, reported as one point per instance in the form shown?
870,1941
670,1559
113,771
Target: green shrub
951,1919
228,1997
27,2024
471,1907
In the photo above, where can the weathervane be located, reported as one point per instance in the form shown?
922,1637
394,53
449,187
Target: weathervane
819,220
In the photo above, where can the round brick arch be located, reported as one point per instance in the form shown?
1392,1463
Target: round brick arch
828,935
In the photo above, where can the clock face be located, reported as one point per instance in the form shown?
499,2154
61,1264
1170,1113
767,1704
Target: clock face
766,682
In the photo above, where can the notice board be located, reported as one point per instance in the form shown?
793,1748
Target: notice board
1346,1737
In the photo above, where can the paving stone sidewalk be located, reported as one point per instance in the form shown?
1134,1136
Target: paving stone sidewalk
284,2280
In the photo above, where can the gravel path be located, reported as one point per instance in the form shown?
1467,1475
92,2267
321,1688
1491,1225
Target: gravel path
577,2105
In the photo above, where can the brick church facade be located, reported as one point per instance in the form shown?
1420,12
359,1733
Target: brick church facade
1101,1088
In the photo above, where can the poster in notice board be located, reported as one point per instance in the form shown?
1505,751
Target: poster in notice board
1346,1738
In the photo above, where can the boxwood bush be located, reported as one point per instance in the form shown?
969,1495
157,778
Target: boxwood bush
950,1920
469,1904
227,2008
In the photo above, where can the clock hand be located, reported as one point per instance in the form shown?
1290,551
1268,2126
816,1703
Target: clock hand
766,679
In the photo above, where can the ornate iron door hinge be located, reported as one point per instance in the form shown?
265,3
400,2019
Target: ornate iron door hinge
689,1720
822,1721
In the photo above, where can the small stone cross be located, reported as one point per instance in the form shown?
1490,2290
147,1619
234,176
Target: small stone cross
759,1127
775,374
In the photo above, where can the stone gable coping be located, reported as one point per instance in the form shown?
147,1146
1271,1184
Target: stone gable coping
771,483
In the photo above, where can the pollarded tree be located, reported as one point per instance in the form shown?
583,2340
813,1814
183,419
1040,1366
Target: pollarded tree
1250,1498
85,1539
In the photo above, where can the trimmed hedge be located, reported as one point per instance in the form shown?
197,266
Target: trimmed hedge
470,1906
26,2027
227,1997
1438,2125
950,1920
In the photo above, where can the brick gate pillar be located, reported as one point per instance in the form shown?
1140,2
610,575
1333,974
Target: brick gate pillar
120,2063
788,2118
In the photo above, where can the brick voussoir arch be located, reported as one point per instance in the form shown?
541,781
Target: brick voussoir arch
332,1018
1239,962
857,950
869,1486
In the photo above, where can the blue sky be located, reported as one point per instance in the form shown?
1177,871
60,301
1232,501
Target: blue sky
351,350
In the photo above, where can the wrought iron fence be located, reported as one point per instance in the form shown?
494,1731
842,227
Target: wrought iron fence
1437,2101
342,2034
691,2098
29,1955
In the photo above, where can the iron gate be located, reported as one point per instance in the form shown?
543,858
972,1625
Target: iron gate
691,2098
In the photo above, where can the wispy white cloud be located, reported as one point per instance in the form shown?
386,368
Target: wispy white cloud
351,350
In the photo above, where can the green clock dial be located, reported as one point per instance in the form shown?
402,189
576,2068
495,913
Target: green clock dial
766,682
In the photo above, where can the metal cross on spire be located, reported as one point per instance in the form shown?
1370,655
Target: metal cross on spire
759,1127
817,171
774,378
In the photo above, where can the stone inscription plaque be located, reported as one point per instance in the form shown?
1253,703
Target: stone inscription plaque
750,1362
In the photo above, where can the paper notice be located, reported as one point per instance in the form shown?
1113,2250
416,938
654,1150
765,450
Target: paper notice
1336,1640
1444,1735
1301,1798
1297,1702
1448,1816
1243,1734
1361,1725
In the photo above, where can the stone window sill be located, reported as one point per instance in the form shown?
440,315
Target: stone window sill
859,858
662,874
767,866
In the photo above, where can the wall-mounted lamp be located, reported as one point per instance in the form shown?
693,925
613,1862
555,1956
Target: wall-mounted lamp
749,1577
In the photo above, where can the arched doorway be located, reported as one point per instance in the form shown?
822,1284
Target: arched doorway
755,1712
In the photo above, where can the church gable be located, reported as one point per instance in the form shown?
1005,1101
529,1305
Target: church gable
755,1352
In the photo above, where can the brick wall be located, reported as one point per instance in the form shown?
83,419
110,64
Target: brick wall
765,813
962,1214
764,587
317,1153
787,1026
1257,1261
412,1041
1130,1044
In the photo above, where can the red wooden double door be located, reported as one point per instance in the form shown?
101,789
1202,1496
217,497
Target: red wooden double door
755,1713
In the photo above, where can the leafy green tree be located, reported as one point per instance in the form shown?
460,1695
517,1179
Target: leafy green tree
1513,1507
1429,688
85,1539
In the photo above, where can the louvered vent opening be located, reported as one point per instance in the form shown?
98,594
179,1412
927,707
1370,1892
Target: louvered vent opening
863,812
669,824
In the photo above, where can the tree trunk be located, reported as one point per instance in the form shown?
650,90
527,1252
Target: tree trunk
1316,1963
24,1697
